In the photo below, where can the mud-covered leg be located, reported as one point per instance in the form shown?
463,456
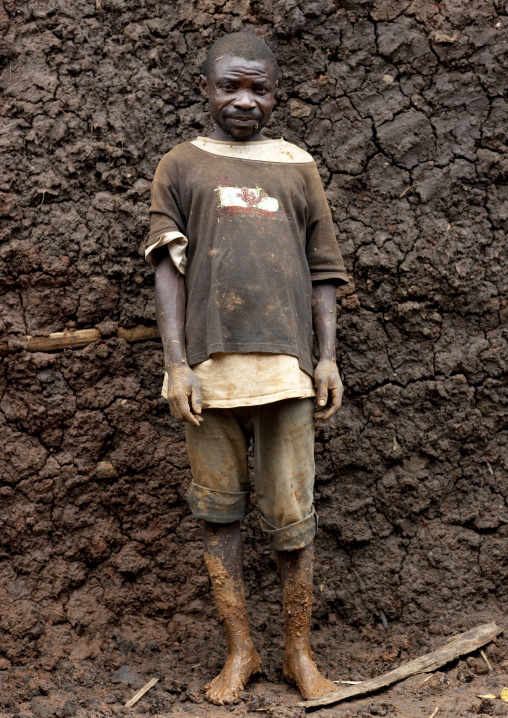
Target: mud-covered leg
224,557
296,568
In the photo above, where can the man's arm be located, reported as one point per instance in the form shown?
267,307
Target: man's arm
184,390
326,376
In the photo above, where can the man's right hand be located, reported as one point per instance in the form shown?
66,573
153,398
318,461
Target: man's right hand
184,394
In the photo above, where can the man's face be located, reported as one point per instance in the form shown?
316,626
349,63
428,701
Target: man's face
241,95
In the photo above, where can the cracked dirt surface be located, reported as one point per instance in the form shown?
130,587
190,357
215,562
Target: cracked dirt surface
404,105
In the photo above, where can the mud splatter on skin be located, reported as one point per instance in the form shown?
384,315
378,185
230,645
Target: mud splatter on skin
223,545
223,549
296,570
229,595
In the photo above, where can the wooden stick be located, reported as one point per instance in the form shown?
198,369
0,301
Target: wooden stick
415,185
80,338
62,340
460,645
139,333
429,678
483,655
142,692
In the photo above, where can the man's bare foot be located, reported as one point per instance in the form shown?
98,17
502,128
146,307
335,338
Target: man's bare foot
300,670
241,664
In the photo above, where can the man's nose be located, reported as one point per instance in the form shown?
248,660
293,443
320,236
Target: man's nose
244,100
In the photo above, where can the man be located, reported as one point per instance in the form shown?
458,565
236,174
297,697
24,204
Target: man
246,261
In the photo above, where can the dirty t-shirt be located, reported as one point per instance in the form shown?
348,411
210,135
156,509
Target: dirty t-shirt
259,233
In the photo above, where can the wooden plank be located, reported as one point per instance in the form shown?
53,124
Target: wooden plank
81,338
142,692
457,646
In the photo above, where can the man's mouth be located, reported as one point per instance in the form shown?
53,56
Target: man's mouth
240,118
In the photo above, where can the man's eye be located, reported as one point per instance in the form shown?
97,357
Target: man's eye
261,90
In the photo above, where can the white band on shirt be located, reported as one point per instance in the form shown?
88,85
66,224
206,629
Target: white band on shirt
177,245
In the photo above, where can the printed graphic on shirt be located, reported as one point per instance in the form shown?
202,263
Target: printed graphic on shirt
244,200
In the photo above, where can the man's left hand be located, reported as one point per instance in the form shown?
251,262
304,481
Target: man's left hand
329,389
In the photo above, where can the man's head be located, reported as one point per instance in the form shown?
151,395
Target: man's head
239,80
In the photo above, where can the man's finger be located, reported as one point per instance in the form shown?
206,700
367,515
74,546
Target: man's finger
322,394
173,408
185,412
196,400
337,392
334,406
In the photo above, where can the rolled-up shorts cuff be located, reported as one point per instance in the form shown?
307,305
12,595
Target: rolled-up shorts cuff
217,507
292,537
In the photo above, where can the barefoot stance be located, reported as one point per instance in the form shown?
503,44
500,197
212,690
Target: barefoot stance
239,667
300,670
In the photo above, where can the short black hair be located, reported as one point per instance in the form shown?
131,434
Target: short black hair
240,44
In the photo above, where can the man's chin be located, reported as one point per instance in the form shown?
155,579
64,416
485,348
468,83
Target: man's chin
241,134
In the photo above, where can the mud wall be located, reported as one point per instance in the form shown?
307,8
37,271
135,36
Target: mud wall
403,104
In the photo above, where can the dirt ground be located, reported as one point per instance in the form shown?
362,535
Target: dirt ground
100,688
403,105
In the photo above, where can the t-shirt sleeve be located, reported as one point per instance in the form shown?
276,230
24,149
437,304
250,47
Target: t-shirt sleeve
166,215
323,253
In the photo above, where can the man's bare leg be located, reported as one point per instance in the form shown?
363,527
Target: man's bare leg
296,568
224,558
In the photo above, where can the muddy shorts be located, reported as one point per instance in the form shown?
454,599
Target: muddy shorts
283,433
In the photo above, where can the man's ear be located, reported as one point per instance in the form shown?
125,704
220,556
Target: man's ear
203,86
